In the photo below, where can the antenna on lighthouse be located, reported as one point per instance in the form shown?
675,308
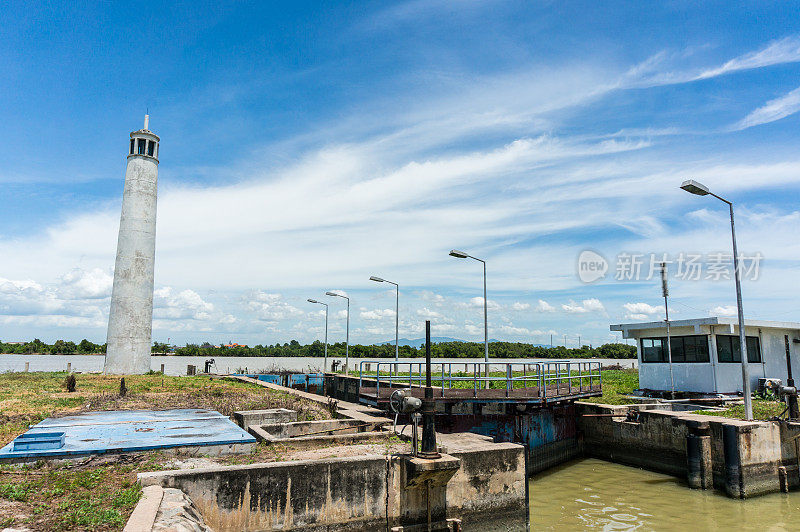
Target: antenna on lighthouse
146,121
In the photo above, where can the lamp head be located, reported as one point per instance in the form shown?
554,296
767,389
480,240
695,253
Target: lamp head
376,279
458,254
313,301
331,294
693,187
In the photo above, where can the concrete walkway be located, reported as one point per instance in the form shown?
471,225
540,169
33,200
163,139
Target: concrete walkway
365,413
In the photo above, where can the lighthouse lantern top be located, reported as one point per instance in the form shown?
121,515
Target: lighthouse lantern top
144,143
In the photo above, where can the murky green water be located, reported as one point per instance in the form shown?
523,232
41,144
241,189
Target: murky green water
595,495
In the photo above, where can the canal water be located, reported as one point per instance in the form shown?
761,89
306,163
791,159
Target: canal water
591,494
175,365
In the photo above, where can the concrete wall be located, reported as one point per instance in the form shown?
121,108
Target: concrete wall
351,492
715,376
130,320
488,483
360,493
746,458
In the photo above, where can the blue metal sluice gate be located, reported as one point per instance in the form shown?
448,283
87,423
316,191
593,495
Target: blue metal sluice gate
304,381
124,431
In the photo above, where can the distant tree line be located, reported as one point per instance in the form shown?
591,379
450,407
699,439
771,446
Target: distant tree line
317,349
439,350
60,347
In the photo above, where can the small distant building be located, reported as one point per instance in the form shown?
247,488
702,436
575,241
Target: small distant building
706,356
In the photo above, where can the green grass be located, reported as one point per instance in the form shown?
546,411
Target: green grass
763,409
616,384
72,497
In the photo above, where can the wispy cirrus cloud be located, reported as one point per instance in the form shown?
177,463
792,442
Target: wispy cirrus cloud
773,110
661,68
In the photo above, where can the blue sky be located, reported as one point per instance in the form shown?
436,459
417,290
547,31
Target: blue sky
307,146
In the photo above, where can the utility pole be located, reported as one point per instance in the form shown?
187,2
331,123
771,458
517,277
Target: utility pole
665,293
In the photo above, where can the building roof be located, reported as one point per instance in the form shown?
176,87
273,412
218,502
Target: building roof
713,320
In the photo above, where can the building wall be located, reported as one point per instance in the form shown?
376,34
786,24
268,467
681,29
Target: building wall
714,376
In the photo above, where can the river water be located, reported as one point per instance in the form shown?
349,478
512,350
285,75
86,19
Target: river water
591,494
174,365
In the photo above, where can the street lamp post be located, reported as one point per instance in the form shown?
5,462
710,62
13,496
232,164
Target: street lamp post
698,189
325,363
396,316
347,337
461,255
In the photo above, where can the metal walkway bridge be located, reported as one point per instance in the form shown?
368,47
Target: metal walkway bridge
537,383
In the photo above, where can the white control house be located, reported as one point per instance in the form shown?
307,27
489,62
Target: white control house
705,353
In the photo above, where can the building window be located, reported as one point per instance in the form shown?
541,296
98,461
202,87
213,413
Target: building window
141,146
690,349
728,349
150,147
684,349
132,142
654,350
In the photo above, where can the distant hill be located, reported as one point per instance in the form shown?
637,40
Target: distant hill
438,340
419,341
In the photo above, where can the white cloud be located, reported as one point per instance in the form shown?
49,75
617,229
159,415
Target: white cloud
544,306
658,69
186,304
773,110
436,299
427,313
377,314
641,311
81,284
519,331
786,50
728,310
642,308
587,305
477,302
270,307
520,306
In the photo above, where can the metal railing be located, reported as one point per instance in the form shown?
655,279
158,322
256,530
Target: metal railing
550,378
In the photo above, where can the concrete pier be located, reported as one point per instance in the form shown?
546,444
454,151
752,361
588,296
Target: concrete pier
130,320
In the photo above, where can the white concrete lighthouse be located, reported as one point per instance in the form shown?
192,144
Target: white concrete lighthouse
130,321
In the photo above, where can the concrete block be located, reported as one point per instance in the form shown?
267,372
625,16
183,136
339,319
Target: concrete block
418,471
247,418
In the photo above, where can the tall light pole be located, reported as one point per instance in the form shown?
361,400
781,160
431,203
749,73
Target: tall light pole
665,293
698,189
396,315
347,337
325,363
461,255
